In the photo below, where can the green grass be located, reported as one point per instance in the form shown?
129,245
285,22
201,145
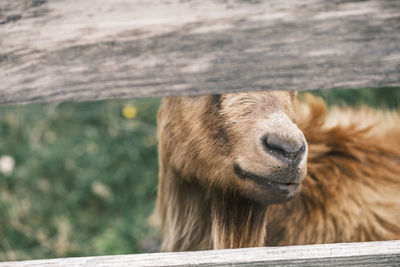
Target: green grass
85,177
84,181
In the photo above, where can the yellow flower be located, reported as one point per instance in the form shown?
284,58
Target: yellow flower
129,111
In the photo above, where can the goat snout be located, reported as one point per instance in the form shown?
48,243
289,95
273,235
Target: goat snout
287,149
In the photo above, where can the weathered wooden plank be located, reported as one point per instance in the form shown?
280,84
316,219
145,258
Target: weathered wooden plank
385,253
96,49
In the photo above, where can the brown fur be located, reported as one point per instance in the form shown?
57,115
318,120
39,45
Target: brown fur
349,193
352,189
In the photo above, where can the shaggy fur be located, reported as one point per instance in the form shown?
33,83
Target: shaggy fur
352,189
350,192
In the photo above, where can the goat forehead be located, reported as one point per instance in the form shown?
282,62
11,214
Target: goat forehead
259,98
257,103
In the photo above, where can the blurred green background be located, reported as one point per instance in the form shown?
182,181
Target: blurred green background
80,179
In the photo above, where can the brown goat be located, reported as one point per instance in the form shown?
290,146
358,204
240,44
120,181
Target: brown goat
233,172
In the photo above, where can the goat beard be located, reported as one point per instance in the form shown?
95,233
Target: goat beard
195,218
237,222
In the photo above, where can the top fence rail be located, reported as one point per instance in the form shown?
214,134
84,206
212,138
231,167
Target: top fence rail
90,50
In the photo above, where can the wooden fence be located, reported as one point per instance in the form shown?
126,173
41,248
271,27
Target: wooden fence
385,253
61,50
99,49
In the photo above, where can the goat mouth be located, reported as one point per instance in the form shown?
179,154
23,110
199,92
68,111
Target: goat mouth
287,189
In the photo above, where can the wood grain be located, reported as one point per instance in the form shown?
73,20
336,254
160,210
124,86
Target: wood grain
385,253
63,50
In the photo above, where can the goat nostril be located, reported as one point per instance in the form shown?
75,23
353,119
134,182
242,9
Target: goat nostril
289,149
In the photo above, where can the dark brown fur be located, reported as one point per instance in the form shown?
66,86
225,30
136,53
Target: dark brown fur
350,192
